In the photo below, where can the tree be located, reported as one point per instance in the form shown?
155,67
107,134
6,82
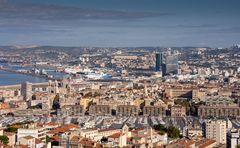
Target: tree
4,139
173,132
11,129
104,140
160,128
48,139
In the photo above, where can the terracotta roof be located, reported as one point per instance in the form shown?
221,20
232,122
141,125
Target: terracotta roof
28,137
52,123
186,142
87,143
62,129
182,143
52,131
21,146
55,138
70,126
75,138
117,135
206,143
40,124
161,146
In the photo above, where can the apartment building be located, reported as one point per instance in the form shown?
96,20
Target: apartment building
127,110
216,130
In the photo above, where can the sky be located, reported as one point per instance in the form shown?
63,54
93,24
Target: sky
120,23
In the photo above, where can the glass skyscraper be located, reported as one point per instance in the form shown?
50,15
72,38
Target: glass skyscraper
158,62
171,64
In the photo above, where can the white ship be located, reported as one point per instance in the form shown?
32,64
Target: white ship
97,76
76,69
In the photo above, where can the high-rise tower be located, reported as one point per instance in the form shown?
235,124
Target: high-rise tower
158,62
171,65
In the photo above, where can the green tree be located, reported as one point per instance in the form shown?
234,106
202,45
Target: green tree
104,140
11,129
160,128
173,132
48,139
4,139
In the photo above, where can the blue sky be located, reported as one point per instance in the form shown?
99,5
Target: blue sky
118,23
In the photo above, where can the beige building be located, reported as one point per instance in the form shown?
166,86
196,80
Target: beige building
216,130
99,110
154,111
127,110
178,111
12,138
27,140
34,131
71,110
179,92
192,93
118,140
218,111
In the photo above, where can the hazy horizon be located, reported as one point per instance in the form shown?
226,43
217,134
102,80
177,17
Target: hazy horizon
120,23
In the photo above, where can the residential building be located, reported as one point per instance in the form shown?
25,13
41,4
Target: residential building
232,138
154,111
219,111
27,140
71,110
32,130
216,130
178,111
99,110
127,110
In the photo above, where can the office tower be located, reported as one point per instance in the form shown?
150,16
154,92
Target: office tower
216,130
232,138
171,65
158,62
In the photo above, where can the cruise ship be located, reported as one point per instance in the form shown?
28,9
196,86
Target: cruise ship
76,69
97,76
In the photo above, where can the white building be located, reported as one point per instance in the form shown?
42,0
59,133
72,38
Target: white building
216,130
36,132
232,138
